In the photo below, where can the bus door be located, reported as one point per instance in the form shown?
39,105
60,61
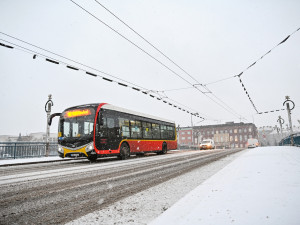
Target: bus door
108,135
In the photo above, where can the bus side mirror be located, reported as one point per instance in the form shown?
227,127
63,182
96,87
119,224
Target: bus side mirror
51,117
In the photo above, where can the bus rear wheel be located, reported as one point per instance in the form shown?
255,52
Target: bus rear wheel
124,151
164,149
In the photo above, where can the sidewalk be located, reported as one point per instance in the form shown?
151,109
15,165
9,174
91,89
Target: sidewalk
11,162
262,186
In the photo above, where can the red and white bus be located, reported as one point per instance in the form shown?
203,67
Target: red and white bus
98,130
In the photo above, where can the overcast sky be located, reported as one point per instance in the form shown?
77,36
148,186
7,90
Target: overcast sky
210,40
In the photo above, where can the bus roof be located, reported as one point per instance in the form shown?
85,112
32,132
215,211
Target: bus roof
116,108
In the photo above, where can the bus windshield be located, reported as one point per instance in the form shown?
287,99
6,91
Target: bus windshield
77,124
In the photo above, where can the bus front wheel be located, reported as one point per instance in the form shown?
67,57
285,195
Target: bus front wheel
92,158
124,151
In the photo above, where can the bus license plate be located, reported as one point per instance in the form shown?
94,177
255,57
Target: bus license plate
75,155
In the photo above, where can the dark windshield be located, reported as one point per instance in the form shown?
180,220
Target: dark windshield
77,124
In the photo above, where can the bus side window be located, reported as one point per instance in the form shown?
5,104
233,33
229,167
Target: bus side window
136,129
171,133
147,131
155,131
164,132
124,126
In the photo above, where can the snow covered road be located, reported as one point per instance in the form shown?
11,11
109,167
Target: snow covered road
58,195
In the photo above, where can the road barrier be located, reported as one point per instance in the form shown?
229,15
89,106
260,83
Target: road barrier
13,150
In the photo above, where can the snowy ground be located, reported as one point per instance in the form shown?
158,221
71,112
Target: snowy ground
256,186
262,186
143,207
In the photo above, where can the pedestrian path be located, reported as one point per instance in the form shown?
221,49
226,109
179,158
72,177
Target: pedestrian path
262,186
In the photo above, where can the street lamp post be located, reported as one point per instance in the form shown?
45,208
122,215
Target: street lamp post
287,102
280,121
48,106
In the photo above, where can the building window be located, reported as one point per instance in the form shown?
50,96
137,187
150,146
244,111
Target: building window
235,138
231,138
245,138
240,130
241,138
217,131
189,138
183,138
183,133
245,130
235,131
250,129
189,132
230,131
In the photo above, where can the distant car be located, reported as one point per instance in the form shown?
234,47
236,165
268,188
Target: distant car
252,143
207,144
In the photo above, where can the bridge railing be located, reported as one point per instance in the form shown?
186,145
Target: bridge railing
288,140
13,150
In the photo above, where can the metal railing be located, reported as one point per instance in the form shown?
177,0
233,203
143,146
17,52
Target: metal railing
293,139
13,150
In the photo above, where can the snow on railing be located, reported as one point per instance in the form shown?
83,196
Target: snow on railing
9,150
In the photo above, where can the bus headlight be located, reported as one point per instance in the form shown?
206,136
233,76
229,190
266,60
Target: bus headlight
89,147
60,149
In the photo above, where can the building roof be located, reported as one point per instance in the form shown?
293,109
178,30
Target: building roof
229,124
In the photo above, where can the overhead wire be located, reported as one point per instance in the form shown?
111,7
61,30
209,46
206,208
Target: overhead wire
242,73
252,64
51,52
193,86
131,42
72,67
167,67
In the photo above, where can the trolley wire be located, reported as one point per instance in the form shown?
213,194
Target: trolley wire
151,93
252,64
133,30
193,86
224,106
100,71
131,42
242,73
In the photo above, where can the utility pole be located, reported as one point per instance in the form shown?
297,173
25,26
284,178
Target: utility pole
48,105
196,114
287,102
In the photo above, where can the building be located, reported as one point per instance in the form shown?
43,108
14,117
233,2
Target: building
228,135
185,136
